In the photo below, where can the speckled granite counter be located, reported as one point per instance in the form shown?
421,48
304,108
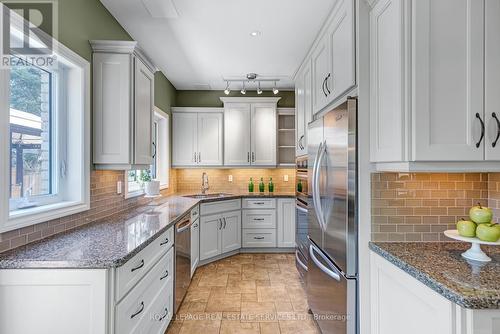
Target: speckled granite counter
112,241
440,266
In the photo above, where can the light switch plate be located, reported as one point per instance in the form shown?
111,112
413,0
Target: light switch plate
230,178
285,178
119,187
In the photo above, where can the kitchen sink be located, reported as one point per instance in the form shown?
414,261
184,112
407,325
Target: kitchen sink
214,195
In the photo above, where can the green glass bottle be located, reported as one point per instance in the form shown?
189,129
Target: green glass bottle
250,186
271,185
299,186
262,186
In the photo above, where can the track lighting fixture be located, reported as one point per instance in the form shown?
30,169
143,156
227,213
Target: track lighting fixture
275,89
259,91
249,80
243,90
227,90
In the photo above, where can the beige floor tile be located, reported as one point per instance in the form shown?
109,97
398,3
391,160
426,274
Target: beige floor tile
299,327
206,269
249,297
236,327
272,294
204,326
174,327
229,268
283,306
269,328
213,280
257,274
258,312
241,287
220,301
300,305
262,282
197,296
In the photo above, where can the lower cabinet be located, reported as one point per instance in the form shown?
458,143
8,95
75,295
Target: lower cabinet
286,222
220,233
424,311
259,237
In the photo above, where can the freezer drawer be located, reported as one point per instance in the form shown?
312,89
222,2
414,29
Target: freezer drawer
331,297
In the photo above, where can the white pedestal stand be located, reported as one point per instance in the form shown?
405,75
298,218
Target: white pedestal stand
474,252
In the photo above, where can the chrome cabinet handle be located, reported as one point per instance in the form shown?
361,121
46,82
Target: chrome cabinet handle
138,312
253,156
323,87
199,156
259,203
164,316
138,267
195,159
300,142
220,224
326,83
258,219
258,238
164,276
164,242
482,130
325,269
154,146
300,262
494,115
224,222
248,156
301,209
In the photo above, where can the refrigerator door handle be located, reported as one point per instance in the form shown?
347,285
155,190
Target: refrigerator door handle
301,209
312,251
298,260
316,190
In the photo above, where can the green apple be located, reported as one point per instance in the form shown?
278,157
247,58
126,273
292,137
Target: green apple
466,228
480,214
488,232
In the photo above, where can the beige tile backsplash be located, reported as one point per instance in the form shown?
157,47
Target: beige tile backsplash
421,206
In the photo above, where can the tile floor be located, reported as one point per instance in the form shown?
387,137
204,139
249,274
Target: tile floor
247,294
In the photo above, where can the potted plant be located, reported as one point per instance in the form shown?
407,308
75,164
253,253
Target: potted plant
151,187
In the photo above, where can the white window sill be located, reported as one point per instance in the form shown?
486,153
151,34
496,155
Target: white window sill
133,194
26,217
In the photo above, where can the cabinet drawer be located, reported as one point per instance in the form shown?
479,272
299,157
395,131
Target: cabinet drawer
217,207
159,315
135,268
259,203
259,238
259,218
138,304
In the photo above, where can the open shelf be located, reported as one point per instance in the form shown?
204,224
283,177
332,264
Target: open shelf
286,140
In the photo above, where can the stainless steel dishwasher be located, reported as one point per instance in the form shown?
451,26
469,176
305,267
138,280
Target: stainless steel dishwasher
182,259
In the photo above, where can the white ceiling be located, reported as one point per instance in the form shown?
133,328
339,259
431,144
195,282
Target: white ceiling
197,43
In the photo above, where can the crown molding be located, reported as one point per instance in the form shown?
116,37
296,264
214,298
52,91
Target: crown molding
128,47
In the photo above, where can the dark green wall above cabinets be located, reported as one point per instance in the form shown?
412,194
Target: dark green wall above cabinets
165,92
210,98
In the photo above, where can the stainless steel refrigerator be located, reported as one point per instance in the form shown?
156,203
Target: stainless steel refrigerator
331,281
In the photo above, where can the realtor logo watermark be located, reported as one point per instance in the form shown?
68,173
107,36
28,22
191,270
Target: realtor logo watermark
27,31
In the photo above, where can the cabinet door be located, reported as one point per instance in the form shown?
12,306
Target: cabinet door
112,109
492,79
263,135
236,134
447,80
299,115
210,139
342,53
210,232
185,138
195,245
286,222
320,69
387,78
308,100
143,115
231,231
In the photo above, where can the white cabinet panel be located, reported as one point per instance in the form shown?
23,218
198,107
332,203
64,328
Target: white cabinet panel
218,207
210,244
492,79
231,231
342,51
321,70
112,122
210,139
236,134
447,79
143,116
286,222
263,135
185,139
387,102
300,128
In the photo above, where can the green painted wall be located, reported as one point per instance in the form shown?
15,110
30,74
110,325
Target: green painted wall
165,92
210,98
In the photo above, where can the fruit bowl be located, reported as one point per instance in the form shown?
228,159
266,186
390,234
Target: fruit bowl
475,252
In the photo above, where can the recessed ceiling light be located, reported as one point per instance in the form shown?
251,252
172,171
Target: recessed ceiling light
255,33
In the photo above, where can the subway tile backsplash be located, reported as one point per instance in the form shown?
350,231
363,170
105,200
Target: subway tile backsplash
421,206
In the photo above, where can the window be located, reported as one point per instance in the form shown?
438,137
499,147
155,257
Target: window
45,174
159,170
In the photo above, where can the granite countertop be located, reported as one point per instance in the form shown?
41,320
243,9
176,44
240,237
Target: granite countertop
112,241
440,266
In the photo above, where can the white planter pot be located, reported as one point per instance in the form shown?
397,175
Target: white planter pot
152,188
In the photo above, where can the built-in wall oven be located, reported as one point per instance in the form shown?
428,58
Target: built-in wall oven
301,217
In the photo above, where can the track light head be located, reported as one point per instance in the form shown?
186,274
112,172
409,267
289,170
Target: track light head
243,90
259,91
275,89
227,90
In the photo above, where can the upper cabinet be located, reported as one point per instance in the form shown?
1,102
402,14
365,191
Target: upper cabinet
197,137
250,131
123,106
303,107
433,82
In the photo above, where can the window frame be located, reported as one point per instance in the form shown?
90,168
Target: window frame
75,191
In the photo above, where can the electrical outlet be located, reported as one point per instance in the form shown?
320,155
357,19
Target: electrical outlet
119,187
230,178
285,178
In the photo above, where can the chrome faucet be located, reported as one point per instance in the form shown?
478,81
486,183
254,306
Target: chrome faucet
204,183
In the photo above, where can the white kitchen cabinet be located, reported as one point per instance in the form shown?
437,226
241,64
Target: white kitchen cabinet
237,145
231,231
197,137
286,222
433,84
220,233
250,134
492,79
320,59
391,287
123,106
303,105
